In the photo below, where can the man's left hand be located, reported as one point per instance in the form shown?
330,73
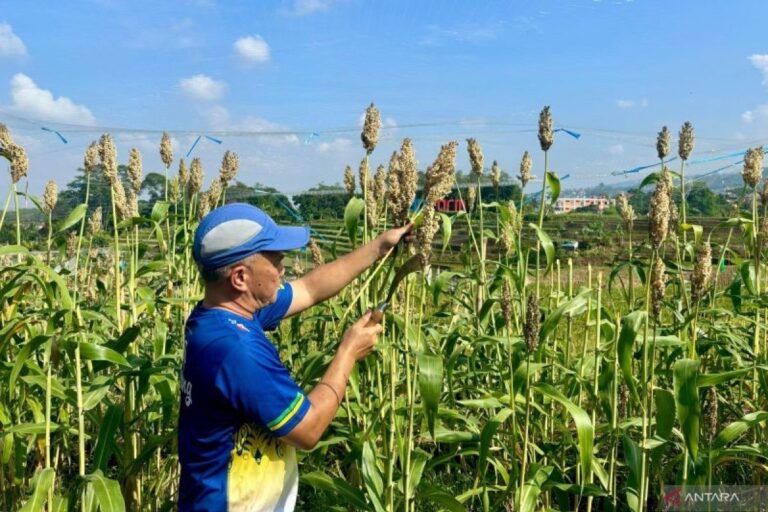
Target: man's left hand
390,238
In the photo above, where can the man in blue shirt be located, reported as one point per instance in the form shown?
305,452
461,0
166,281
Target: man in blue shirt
242,414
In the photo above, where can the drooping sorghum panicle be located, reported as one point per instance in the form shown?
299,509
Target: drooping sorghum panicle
50,196
658,213
710,413
183,173
108,157
380,184
94,223
627,212
14,153
495,174
317,254
349,180
471,198
685,141
702,272
663,142
440,176
166,150
658,284
371,126
531,326
229,166
506,303
196,176
546,134
409,178
526,164
426,233
135,170
476,158
91,157
753,166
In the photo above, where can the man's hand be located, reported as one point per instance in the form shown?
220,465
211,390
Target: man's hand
390,238
360,338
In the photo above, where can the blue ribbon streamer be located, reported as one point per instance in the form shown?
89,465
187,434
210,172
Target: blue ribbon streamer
569,132
217,141
57,133
193,145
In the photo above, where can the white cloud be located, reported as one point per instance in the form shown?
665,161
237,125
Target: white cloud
252,49
31,100
334,145
761,63
218,118
303,7
627,104
202,87
10,44
616,150
748,117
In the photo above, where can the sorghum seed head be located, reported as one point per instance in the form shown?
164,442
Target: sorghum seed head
515,220
215,191
91,157
426,233
753,166
531,326
471,198
132,203
626,210
298,266
380,184
506,303
135,170
108,157
475,157
658,284
710,412
317,254
71,244
195,177
409,177
204,207
658,213
702,272
371,126
50,196
94,223
526,164
686,141
663,142
229,166
505,242
363,173
183,173
166,150
371,206
17,156
495,174
121,202
546,135
440,176
349,180
174,187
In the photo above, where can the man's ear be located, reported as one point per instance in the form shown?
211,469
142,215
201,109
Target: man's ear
238,277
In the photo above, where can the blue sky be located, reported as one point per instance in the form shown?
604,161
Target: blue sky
614,71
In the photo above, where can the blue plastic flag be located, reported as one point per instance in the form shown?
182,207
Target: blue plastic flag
57,133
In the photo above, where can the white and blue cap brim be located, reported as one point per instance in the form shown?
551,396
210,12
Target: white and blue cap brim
235,231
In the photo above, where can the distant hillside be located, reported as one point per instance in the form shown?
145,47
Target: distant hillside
718,182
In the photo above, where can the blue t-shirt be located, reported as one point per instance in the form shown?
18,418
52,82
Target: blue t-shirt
237,400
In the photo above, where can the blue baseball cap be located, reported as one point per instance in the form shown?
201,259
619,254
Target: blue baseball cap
235,231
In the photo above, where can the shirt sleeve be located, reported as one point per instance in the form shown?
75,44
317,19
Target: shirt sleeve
269,317
259,387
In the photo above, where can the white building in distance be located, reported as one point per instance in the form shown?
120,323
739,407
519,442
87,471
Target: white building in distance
568,204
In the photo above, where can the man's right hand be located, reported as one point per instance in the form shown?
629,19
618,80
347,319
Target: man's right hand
361,337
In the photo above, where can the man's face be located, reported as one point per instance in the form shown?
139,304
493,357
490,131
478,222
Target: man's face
264,276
